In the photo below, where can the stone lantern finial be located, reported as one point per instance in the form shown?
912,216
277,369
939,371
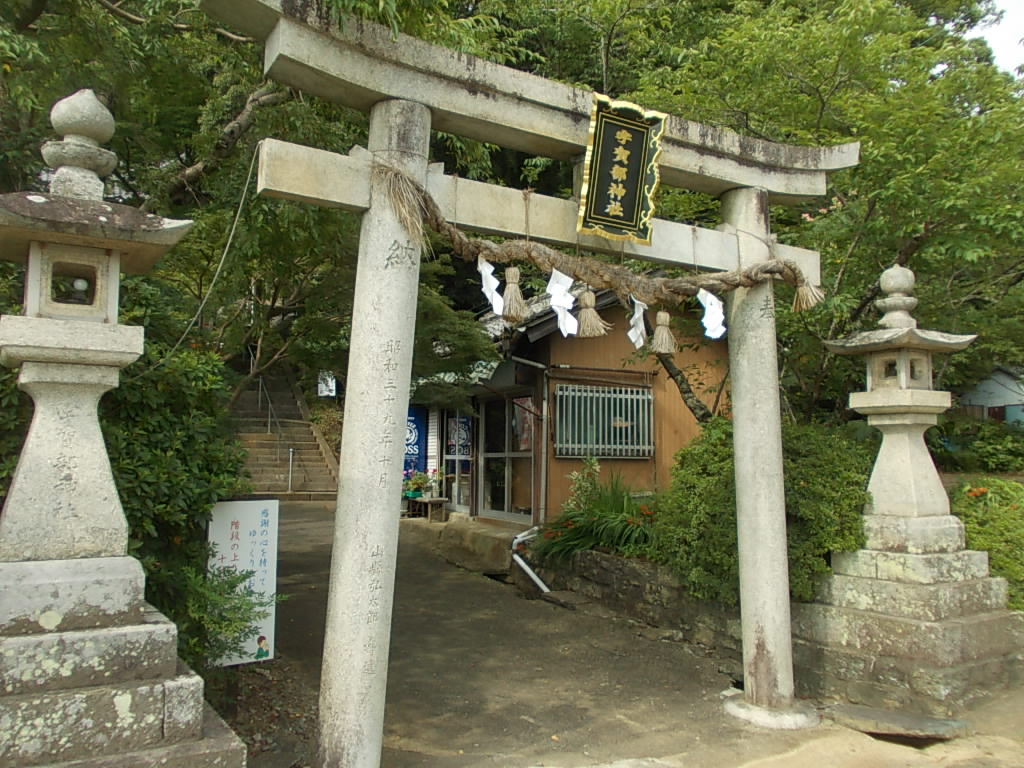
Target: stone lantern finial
897,283
79,161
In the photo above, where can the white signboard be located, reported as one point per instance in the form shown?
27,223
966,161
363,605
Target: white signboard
244,537
326,384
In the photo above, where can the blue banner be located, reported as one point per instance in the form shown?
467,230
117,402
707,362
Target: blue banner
416,439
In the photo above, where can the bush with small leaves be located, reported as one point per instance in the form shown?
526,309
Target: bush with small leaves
826,478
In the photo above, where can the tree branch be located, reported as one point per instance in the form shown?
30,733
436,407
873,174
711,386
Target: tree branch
121,13
700,411
266,95
29,14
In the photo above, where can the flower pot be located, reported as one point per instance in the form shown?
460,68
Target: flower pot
413,494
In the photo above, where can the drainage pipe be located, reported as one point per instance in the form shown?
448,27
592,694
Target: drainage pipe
516,541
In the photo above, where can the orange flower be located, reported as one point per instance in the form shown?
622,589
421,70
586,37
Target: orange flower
975,492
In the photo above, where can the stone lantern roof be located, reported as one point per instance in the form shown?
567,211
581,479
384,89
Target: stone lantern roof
899,330
74,212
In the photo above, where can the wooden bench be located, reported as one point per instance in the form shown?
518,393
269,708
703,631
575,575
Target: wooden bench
432,508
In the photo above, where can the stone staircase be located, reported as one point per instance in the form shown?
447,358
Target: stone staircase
286,455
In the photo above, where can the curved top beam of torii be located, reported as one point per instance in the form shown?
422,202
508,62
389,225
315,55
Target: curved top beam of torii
362,63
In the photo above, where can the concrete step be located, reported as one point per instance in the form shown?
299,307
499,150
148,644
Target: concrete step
75,659
255,414
303,442
265,484
219,747
270,439
49,726
280,490
270,451
288,427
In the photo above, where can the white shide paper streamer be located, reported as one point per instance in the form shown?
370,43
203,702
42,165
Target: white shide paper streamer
562,301
637,333
489,284
714,314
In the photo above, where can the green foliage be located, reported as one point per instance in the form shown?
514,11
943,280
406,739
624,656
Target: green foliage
938,186
695,529
605,516
970,445
992,511
220,613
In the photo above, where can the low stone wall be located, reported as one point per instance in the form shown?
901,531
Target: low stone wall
650,593
897,675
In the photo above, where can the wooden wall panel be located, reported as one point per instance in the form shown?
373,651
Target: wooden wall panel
613,356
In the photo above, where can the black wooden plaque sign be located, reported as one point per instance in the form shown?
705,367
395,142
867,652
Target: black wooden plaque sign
620,171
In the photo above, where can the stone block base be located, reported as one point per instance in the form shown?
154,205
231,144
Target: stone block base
900,684
61,660
910,568
916,535
928,602
102,720
219,747
933,668
61,595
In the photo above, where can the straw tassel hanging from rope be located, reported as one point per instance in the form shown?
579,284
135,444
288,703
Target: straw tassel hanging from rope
591,324
663,343
515,307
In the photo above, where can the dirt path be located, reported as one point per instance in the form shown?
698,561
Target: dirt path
481,677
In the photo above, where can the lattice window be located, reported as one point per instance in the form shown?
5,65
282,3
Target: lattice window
605,422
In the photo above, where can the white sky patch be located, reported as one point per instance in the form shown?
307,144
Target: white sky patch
1005,37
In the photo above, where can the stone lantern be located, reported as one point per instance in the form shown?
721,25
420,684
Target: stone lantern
62,502
913,621
88,671
901,403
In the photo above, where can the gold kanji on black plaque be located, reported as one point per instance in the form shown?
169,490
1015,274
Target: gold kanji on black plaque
620,173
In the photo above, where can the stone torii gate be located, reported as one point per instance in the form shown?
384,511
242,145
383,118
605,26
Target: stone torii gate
410,87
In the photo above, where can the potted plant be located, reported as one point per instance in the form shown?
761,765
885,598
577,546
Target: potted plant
415,483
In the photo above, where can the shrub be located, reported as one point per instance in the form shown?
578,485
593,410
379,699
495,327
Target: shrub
992,511
597,516
695,529
969,445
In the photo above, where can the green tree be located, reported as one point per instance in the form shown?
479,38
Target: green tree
938,187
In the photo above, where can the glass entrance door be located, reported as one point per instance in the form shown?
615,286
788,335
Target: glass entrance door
458,457
506,483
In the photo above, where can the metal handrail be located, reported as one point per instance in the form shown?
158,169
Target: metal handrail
262,391
272,421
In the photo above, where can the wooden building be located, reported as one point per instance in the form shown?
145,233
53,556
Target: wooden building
555,400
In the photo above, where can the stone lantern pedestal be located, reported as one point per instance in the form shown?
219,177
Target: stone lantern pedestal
89,674
913,621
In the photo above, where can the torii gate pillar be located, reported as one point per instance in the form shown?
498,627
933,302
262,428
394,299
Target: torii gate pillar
361,590
760,493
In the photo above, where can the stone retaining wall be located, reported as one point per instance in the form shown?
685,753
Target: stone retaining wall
650,593
896,678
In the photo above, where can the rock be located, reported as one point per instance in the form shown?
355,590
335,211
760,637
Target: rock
883,722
